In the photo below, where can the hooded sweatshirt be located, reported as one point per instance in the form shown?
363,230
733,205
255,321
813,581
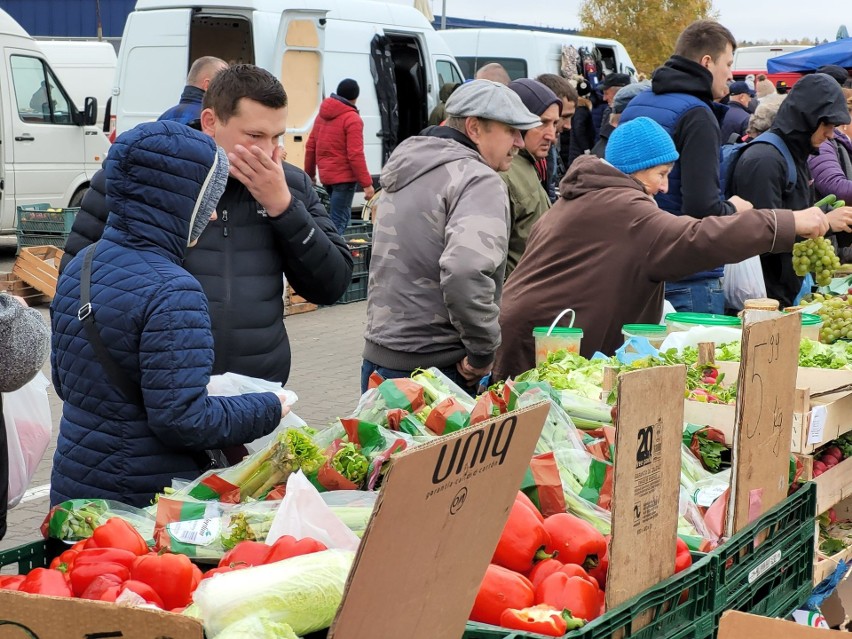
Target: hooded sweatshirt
151,314
605,250
760,175
439,251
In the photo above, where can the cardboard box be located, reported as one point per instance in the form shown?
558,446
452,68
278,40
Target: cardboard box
56,617
815,420
741,625
433,532
434,529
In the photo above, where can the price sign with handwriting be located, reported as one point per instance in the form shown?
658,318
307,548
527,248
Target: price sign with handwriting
764,417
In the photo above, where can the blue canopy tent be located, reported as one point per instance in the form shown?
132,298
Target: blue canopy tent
838,52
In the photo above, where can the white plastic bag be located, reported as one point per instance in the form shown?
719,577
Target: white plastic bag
694,336
304,513
743,281
231,384
29,427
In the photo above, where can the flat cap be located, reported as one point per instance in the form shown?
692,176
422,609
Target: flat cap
627,93
616,80
491,101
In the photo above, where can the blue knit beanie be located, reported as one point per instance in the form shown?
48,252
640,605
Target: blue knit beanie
640,144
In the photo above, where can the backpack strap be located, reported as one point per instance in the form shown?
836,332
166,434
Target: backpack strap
775,140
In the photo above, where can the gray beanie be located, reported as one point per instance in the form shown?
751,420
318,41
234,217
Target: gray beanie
24,343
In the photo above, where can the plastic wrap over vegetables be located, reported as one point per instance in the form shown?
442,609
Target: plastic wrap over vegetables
303,592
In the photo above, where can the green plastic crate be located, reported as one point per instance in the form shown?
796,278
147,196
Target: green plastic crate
673,615
773,578
26,240
36,554
357,291
35,218
358,230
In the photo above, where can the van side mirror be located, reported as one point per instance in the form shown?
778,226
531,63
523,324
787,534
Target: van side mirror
90,112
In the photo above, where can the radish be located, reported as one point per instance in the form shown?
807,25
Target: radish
829,461
834,451
819,468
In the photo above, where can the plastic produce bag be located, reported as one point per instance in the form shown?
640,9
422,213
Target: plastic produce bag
303,513
743,281
694,336
29,428
232,384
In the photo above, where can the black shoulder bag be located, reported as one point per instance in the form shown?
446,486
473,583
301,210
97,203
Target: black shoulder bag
206,460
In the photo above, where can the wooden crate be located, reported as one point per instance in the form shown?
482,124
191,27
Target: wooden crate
38,266
297,304
12,284
823,565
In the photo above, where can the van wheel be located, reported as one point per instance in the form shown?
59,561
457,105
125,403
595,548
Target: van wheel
77,198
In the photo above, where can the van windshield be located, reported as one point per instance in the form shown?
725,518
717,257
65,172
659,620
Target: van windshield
515,67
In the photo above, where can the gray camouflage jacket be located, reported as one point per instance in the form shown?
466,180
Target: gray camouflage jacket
439,254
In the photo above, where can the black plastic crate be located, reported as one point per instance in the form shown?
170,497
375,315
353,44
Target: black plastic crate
357,291
361,253
358,230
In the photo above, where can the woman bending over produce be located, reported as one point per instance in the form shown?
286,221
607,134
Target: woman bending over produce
605,249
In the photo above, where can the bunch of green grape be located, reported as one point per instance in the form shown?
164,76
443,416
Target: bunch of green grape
836,314
815,256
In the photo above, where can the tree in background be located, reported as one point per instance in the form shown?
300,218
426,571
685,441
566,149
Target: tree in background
647,28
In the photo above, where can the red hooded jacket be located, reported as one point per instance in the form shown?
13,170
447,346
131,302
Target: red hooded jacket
336,145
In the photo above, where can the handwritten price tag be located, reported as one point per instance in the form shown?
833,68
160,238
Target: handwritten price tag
818,417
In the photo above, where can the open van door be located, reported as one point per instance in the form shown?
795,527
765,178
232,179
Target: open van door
152,64
382,68
299,49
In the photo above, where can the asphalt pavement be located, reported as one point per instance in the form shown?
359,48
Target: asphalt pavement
326,346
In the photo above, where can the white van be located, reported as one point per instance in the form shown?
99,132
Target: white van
392,51
49,149
527,54
85,67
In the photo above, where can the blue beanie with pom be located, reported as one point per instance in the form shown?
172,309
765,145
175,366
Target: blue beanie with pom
640,144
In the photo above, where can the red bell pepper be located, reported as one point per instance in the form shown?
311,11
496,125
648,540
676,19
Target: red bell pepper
103,588
540,619
65,561
44,581
143,590
83,575
170,575
576,594
522,539
223,569
501,589
287,546
683,559
574,540
248,553
197,576
599,572
543,569
522,497
11,582
105,555
117,533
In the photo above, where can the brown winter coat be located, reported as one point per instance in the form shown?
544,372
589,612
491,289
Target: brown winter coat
606,250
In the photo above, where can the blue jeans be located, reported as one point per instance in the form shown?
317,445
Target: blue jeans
368,368
341,196
697,296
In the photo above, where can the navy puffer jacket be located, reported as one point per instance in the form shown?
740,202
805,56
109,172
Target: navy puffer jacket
152,315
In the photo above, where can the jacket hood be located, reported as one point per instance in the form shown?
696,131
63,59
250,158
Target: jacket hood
335,106
162,179
589,173
814,99
416,156
682,75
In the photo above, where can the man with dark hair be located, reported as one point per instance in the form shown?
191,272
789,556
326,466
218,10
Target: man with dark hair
683,101
566,92
270,223
202,71
336,148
